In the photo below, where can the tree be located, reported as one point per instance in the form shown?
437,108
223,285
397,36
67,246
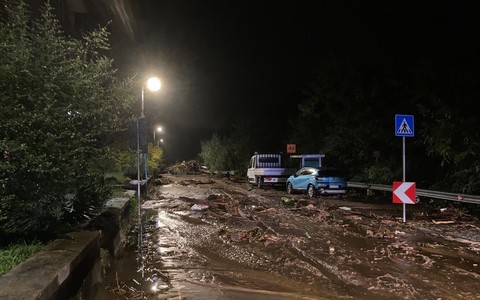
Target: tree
447,102
154,158
214,153
342,116
59,96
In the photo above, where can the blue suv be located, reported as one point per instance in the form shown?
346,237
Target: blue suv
316,181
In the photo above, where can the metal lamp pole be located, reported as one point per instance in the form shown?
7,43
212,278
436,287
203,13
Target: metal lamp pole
139,199
142,115
153,84
138,170
145,154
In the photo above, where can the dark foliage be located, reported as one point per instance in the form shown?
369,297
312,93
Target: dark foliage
58,97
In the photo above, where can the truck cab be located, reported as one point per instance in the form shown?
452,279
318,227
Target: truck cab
268,169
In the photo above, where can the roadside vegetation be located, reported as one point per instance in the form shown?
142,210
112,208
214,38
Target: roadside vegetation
64,135
16,253
63,110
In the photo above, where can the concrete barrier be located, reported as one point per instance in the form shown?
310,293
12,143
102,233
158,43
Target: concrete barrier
73,264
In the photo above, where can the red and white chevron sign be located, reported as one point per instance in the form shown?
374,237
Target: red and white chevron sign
404,192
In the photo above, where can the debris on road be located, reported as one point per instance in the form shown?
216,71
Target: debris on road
288,200
184,168
367,246
442,222
199,207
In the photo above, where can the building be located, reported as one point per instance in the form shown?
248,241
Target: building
75,16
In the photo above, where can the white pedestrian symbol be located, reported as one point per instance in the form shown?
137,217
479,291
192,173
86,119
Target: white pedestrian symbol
404,128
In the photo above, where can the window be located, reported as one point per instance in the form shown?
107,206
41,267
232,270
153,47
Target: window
268,159
330,173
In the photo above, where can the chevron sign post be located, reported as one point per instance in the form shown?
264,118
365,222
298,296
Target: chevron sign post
404,193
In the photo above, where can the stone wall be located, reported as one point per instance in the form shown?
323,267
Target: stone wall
73,264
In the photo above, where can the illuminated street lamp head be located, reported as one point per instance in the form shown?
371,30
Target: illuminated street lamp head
159,129
153,84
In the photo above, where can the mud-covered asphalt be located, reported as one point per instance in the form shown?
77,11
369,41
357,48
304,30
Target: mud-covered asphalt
216,238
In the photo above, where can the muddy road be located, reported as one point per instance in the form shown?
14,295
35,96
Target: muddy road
216,238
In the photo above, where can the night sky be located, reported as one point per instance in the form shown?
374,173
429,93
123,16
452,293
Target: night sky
221,61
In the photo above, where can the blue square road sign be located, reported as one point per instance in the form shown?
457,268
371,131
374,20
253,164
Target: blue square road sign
404,125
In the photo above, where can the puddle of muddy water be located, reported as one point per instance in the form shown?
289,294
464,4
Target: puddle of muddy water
124,279
193,273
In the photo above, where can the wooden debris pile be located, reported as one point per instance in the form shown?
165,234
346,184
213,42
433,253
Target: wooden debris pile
185,168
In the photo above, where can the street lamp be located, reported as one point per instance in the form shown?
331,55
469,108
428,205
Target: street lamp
159,141
153,84
159,129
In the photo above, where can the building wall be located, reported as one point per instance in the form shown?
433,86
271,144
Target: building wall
74,15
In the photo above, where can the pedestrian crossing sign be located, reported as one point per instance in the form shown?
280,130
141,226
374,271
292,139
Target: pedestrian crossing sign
404,125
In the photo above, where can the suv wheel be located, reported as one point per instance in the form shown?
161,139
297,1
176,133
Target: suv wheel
311,191
289,188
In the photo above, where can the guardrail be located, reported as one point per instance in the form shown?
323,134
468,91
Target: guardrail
465,198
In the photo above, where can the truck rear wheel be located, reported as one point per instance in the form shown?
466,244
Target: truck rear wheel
259,182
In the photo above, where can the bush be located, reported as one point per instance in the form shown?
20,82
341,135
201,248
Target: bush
59,97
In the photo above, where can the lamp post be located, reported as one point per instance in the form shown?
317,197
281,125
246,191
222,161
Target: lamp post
153,84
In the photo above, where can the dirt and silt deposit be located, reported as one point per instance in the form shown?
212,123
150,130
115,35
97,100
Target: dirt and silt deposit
208,237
